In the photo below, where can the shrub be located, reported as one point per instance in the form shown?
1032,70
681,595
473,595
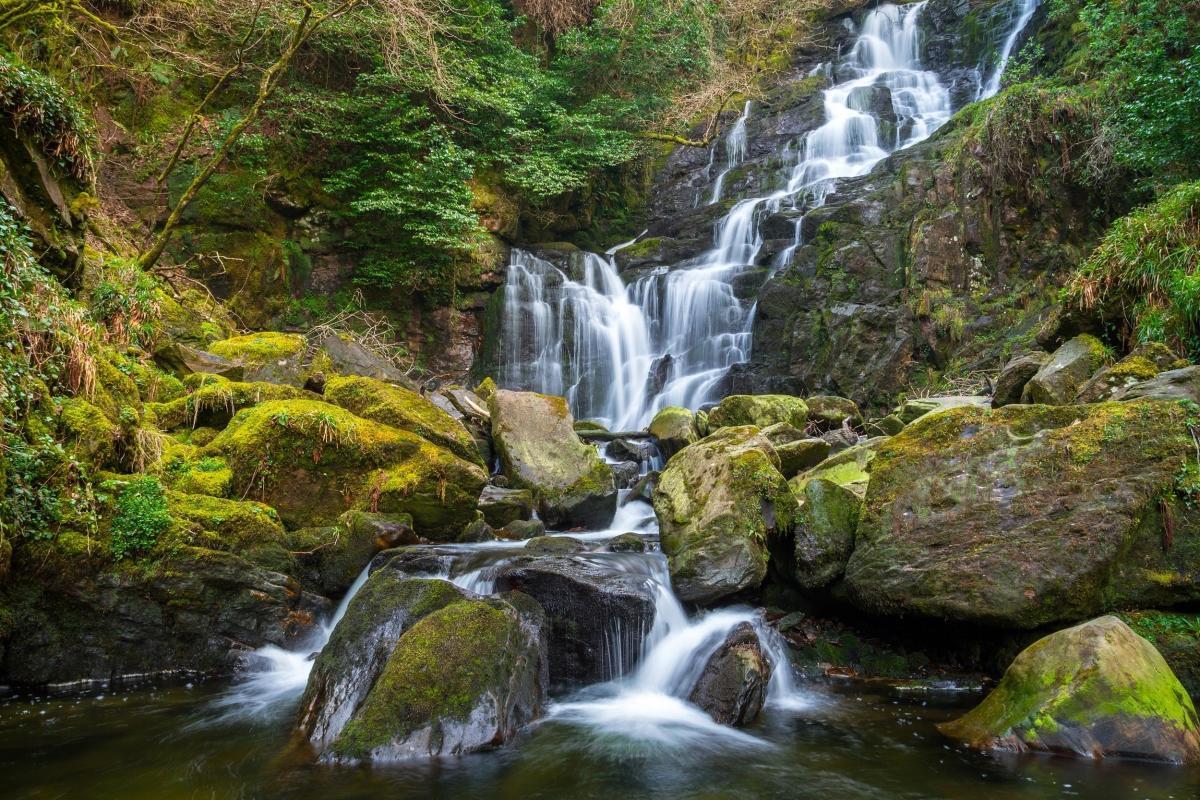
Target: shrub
141,517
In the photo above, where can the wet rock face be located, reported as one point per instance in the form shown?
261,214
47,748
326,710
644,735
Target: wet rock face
502,506
968,511
718,502
733,686
597,619
540,450
1068,368
1013,377
1095,690
417,668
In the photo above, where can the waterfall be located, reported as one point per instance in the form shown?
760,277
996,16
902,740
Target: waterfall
1026,12
620,353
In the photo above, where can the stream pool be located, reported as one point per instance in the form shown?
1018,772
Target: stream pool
849,741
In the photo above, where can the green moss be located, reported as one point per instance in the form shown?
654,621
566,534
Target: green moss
257,349
215,402
90,435
440,669
403,409
759,410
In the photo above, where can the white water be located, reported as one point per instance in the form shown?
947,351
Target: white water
276,676
594,339
1026,12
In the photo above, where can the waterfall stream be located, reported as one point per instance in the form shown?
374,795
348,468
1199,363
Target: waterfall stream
621,352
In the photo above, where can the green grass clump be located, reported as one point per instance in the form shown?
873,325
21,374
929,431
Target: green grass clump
141,517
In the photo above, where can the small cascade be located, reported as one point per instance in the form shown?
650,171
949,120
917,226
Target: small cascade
275,676
1023,10
735,151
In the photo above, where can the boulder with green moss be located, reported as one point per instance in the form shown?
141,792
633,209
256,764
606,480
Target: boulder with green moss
419,669
1069,367
823,539
830,411
760,410
90,435
1176,635
1095,690
1028,515
1175,384
849,468
502,506
404,409
332,556
801,454
539,450
313,460
266,356
184,360
251,530
674,428
718,502
914,408
1111,382
212,403
208,476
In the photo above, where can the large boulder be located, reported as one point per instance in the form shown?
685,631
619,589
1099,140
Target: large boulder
913,409
801,454
1010,383
403,409
674,428
334,555
1028,515
266,356
597,617
1094,690
1069,367
1111,382
312,461
759,410
539,450
829,411
717,502
419,670
343,355
733,685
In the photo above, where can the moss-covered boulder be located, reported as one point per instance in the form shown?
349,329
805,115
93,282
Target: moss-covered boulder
1028,515
213,402
404,409
313,460
1111,382
1176,635
760,410
266,356
849,468
448,675
1069,367
674,428
251,530
824,534
1010,383
332,556
829,411
539,450
1174,384
914,408
1094,690
717,502
801,454
90,435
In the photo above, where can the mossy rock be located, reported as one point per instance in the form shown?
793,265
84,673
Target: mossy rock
1029,515
404,409
553,546
1070,366
801,454
760,410
248,529
267,356
1094,690
539,450
208,476
849,468
90,435
464,677
718,502
674,428
214,403
824,534
830,412
334,555
1112,381
312,461
1176,635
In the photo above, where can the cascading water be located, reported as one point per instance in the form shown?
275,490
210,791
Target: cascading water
598,342
1025,10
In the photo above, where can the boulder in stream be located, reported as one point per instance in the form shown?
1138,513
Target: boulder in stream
502,506
539,450
733,686
1095,690
674,428
717,502
760,410
417,669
